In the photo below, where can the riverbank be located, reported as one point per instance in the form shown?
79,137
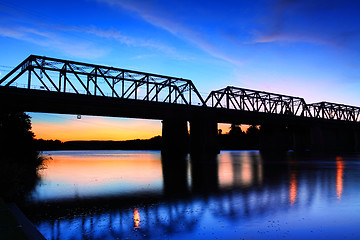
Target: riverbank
15,225
10,228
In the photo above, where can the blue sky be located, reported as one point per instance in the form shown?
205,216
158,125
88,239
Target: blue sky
304,48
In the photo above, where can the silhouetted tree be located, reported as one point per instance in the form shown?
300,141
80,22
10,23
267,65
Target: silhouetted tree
253,130
18,159
15,133
235,130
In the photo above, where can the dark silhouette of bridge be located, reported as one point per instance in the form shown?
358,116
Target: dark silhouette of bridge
50,85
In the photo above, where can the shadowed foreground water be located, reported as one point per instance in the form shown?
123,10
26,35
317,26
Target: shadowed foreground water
235,195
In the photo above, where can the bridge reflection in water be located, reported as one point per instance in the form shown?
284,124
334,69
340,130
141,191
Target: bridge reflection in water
226,196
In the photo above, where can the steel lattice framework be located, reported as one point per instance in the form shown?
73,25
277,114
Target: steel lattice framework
51,74
334,111
257,101
58,75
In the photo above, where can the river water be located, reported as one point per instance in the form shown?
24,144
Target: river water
234,195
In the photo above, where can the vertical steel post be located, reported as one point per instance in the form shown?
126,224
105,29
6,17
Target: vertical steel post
147,87
227,98
113,86
59,90
122,85
29,77
157,93
88,84
169,90
65,77
95,81
190,95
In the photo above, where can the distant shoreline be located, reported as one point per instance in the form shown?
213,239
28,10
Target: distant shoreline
136,144
226,143
235,139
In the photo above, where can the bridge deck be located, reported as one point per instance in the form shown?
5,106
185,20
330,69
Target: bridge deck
30,100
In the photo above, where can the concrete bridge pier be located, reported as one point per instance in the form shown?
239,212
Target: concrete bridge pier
331,137
175,137
300,137
274,137
356,132
346,138
204,137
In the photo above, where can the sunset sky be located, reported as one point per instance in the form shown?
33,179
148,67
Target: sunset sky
304,48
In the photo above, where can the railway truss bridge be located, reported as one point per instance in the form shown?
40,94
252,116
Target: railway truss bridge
50,85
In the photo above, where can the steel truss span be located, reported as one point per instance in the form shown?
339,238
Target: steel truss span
257,101
58,75
51,74
327,110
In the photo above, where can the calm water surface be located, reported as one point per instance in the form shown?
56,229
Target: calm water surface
234,195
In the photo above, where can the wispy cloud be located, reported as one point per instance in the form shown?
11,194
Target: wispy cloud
122,38
321,22
52,40
55,37
289,37
74,40
163,18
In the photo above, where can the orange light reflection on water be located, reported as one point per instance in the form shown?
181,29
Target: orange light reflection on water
339,177
94,170
239,170
136,217
226,173
293,188
247,173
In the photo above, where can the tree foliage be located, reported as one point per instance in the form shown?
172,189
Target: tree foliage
18,159
15,133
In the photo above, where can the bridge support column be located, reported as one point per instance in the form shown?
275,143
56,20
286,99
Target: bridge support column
274,137
301,137
204,137
331,137
356,133
174,136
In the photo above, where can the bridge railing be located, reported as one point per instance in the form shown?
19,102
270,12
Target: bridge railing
51,74
257,101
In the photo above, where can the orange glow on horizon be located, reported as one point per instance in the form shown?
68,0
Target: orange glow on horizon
339,177
136,217
72,128
225,127
97,128
293,188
